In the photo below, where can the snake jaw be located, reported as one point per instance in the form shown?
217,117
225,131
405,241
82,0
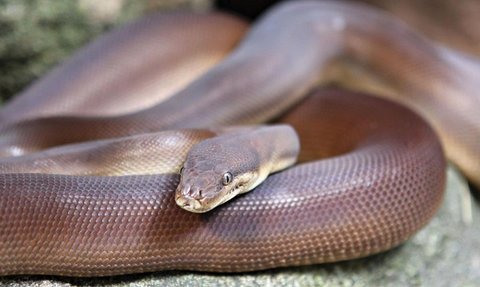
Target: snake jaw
190,204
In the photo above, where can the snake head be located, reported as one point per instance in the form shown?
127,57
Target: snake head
215,171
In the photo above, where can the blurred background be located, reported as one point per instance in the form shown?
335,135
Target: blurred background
37,34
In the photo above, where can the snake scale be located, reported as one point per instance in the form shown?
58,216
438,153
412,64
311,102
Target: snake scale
378,179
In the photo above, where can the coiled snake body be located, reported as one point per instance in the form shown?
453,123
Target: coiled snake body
383,179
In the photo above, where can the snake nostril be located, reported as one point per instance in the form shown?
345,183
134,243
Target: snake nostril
195,193
186,190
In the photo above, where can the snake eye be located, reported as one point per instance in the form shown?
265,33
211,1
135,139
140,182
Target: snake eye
181,170
227,178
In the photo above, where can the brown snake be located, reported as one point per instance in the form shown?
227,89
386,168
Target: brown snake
382,182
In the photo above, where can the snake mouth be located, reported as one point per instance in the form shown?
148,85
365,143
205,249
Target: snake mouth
238,188
203,205
195,203
191,204
245,183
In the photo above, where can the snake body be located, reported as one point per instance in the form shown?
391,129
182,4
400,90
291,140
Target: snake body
138,154
370,199
383,182
170,50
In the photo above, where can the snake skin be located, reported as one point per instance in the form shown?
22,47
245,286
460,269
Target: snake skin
137,154
434,81
381,176
170,50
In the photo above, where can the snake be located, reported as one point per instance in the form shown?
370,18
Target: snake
377,179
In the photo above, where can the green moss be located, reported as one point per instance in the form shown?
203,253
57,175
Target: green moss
37,34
